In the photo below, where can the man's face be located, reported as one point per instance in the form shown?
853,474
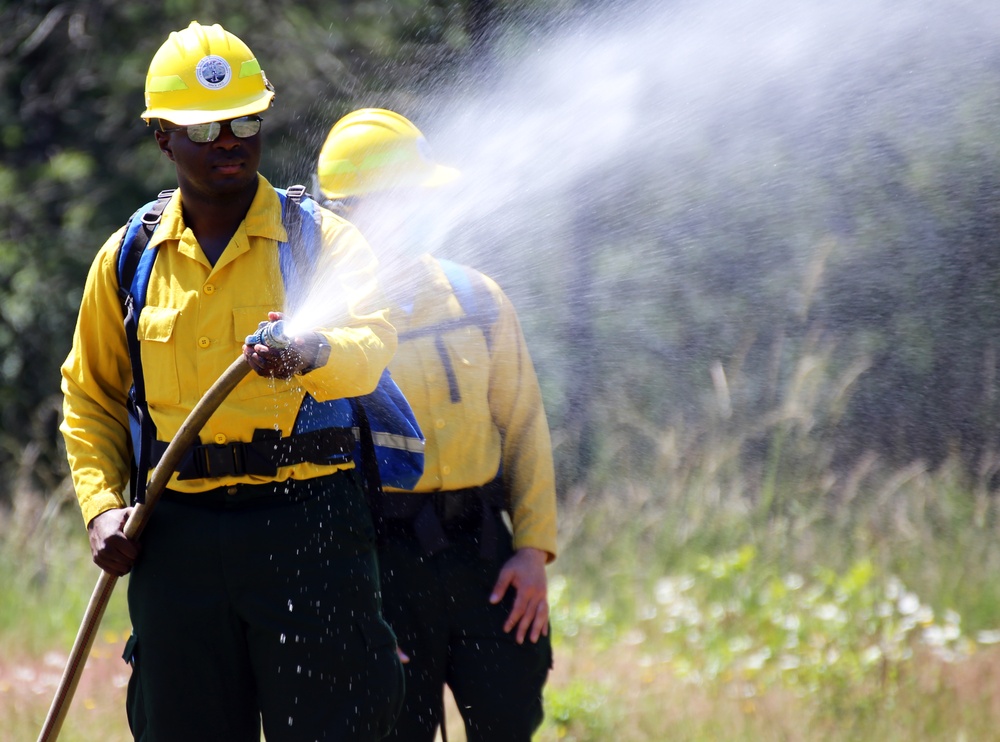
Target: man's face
227,165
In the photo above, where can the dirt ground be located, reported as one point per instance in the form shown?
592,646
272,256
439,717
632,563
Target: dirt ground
97,711
28,685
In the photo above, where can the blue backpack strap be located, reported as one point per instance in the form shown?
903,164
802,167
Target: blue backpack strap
301,218
474,297
134,264
138,232
478,306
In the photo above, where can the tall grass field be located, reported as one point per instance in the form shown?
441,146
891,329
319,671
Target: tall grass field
705,598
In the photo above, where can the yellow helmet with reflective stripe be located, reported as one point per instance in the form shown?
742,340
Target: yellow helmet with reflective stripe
203,74
372,150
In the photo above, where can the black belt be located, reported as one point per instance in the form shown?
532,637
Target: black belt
237,496
263,455
431,516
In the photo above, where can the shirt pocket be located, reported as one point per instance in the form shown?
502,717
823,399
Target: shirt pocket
245,322
158,348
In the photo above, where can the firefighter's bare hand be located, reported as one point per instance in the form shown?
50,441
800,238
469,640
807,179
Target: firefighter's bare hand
279,363
112,552
282,363
525,572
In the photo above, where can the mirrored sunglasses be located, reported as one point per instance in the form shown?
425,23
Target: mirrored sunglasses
242,128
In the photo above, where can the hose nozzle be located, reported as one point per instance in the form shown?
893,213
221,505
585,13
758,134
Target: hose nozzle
271,334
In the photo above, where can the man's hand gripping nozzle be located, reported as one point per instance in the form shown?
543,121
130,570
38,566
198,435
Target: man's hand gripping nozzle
270,333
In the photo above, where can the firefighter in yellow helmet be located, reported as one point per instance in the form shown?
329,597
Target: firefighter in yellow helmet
466,597
254,600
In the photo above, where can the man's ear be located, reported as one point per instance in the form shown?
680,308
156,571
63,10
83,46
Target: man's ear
163,142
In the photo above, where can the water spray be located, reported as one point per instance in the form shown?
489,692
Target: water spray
185,437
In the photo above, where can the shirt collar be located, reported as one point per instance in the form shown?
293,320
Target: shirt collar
262,220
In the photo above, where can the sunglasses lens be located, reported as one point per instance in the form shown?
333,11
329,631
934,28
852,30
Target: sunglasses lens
201,133
245,126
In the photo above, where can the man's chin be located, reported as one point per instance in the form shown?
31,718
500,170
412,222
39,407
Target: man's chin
226,183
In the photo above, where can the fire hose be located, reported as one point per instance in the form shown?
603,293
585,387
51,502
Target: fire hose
186,435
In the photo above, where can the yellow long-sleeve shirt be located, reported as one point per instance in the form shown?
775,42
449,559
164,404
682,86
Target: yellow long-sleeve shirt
500,416
192,328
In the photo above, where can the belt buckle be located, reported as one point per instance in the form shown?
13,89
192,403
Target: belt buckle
221,460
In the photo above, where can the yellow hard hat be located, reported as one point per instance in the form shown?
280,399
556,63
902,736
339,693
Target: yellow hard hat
203,74
373,149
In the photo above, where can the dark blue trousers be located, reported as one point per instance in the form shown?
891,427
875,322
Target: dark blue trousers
261,608
439,607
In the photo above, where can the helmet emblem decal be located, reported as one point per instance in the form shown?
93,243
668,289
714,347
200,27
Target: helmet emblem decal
213,72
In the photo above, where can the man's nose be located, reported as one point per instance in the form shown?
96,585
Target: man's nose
226,138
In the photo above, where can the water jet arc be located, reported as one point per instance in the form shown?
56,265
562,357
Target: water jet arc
186,435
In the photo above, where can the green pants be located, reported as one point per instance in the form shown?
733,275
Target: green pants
261,608
439,607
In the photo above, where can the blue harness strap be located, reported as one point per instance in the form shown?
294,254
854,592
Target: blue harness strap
476,300
479,309
134,264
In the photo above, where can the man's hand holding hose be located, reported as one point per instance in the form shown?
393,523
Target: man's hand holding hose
274,355
111,550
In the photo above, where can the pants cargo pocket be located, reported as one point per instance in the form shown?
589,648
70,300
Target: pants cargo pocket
134,703
385,672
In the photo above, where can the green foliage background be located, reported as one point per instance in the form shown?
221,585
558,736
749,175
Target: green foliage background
680,303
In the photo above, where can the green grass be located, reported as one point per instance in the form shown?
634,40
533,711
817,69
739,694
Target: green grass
745,628
704,598
48,578
859,605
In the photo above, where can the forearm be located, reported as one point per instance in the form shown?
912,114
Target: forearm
358,355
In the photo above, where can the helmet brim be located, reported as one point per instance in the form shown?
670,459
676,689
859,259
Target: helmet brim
190,117
434,177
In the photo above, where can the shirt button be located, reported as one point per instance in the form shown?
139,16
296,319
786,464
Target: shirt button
439,423
220,438
446,470
232,491
204,342
209,288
